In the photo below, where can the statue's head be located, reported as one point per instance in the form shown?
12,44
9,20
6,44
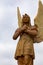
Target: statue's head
26,19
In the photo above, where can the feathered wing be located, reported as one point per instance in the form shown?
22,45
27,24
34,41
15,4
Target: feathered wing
19,17
39,22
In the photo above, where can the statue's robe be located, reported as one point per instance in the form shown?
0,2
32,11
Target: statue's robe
24,46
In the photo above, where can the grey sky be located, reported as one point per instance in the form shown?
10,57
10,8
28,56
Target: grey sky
8,24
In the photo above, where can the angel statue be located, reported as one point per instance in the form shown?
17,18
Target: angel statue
28,35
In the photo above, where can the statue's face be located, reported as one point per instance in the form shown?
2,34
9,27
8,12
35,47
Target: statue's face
26,18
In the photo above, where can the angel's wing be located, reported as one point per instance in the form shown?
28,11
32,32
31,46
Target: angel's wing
39,22
19,17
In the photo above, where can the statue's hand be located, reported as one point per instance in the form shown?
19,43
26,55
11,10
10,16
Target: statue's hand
24,28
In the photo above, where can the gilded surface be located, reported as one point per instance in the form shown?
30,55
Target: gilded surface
25,46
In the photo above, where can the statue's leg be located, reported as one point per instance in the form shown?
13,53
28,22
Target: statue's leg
28,60
20,61
31,62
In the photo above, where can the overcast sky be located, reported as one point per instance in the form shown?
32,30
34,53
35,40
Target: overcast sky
9,23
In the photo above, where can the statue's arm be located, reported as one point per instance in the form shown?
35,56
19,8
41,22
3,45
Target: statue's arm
32,31
18,32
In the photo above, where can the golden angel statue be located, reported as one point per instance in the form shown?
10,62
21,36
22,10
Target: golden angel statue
28,35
